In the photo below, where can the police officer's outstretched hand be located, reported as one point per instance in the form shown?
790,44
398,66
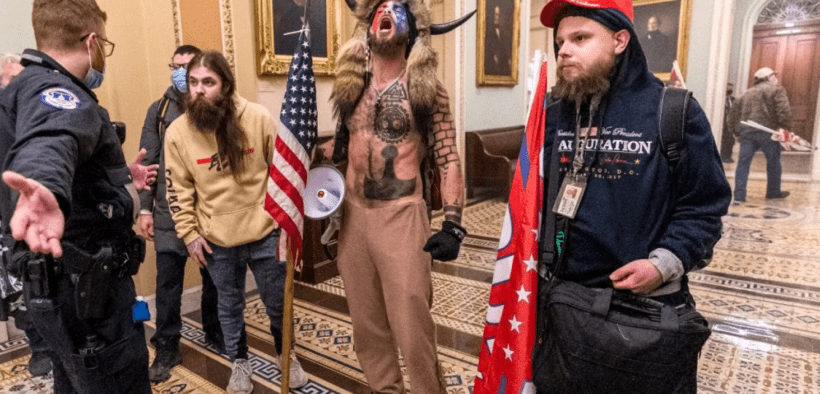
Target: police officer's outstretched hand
144,176
37,219
197,249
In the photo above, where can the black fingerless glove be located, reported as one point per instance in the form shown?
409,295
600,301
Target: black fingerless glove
444,245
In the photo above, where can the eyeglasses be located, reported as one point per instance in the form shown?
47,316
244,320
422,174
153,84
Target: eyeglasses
175,66
108,46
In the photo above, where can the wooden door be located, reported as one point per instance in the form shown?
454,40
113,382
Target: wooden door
794,53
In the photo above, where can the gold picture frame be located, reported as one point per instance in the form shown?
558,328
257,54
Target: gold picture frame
673,17
271,60
492,65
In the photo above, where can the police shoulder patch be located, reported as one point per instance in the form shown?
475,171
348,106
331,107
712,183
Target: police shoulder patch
60,98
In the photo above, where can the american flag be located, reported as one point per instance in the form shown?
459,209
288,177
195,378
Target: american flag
297,135
504,364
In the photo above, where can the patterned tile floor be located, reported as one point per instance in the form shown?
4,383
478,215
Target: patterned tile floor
760,293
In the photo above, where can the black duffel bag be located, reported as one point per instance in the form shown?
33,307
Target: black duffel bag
607,341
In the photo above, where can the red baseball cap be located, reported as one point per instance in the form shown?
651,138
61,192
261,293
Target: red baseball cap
552,8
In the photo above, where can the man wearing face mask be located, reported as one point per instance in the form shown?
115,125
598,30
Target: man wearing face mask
157,225
70,200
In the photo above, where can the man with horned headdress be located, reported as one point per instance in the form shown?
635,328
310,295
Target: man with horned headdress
395,129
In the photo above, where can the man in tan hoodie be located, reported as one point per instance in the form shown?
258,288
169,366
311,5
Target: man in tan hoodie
217,159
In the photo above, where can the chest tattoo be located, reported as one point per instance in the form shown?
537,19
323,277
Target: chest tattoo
389,187
392,121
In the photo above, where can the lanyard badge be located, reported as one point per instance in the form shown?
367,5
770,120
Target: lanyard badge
575,183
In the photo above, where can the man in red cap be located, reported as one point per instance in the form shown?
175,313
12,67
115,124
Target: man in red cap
643,220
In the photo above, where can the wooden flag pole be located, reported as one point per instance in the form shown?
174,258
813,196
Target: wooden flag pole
287,324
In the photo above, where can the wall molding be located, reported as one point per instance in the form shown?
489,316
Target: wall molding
175,10
226,18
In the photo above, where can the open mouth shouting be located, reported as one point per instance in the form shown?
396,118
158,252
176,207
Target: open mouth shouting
390,19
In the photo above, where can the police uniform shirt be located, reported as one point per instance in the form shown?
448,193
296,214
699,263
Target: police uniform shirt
53,130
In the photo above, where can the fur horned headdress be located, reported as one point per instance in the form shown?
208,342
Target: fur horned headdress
351,66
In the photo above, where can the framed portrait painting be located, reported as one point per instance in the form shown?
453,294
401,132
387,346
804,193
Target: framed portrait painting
497,44
662,27
278,24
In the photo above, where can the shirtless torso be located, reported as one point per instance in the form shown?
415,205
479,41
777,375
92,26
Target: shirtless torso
386,149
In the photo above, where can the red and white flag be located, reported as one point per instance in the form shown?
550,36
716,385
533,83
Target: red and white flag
505,364
676,77
298,130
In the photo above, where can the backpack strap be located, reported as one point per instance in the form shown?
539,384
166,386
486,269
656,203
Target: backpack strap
671,120
163,109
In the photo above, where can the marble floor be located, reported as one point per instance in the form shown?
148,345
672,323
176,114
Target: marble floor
760,294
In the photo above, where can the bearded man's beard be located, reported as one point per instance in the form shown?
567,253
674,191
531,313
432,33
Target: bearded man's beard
207,116
389,48
220,118
590,84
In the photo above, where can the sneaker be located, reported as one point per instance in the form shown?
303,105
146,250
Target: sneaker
240,382
166,358
298,376
781,195
39,364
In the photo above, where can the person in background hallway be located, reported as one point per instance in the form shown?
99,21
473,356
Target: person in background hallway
76,202
643,222
767,104
40,362
217,157
727,138
9,68
157,225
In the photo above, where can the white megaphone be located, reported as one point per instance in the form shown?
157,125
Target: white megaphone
324,192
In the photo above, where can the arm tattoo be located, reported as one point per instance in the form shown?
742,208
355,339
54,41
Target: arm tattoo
452,213
444,131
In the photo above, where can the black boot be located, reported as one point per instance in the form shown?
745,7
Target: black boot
39,364
167,357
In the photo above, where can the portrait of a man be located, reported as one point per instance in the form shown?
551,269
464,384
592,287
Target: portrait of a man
288,18
498,37
657,27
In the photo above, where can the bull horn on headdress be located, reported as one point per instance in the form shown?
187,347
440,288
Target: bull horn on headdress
442,28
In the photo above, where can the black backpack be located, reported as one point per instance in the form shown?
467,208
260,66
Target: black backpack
671,121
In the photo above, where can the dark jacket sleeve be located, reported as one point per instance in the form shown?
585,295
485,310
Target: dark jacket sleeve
52,142
782,110
701,194
150,140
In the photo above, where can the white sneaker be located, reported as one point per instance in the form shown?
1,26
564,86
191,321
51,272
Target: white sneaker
240,382
298,376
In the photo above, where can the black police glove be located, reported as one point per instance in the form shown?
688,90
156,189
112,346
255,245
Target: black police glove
444,244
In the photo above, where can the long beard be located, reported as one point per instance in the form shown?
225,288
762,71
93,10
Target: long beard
389,48
582,88
206,116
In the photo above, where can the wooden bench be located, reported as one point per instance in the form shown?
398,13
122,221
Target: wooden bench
490,158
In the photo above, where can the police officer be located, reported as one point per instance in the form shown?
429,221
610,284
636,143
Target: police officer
75,204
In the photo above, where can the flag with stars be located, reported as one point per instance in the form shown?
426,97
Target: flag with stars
296,137
504,364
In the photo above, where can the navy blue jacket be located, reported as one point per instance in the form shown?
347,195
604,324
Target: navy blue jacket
634,202
53,130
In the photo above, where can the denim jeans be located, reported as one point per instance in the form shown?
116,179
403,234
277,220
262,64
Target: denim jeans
170,276
228,267
750,142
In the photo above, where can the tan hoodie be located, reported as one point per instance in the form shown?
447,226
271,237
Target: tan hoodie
203,197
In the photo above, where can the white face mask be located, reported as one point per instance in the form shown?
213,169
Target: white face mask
93,79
